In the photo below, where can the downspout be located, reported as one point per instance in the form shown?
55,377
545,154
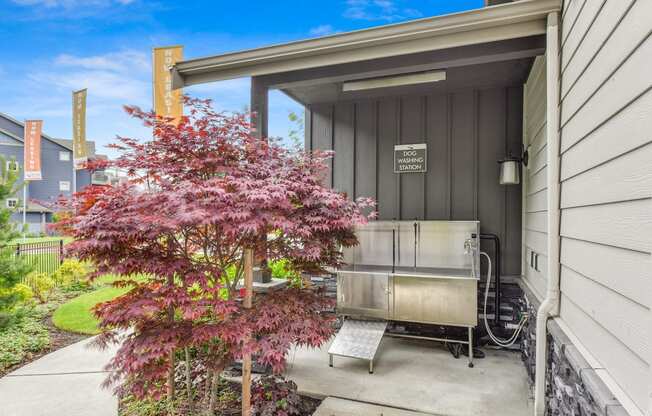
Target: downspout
550,305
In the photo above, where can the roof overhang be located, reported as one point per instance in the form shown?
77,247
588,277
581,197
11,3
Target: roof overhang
507,21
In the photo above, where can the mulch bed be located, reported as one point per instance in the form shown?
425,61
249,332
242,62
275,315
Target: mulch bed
231,407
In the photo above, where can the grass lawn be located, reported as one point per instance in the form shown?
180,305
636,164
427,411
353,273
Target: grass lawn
76,315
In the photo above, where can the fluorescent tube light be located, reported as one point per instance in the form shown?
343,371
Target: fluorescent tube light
396,81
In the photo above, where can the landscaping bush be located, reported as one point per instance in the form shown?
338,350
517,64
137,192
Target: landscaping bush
41,285
281,269
24,292
276,396
24,336
73,274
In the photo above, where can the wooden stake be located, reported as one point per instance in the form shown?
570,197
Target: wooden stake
247,303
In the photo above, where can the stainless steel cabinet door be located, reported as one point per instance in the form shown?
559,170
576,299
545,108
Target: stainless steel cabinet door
361,293
444,301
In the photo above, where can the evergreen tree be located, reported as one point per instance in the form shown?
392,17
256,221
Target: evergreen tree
12,268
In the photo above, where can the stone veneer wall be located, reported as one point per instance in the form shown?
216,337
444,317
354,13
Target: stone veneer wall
573,386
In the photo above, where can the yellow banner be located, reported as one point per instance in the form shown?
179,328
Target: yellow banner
167,102
32,148
80,151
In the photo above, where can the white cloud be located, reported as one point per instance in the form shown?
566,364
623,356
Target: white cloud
383,10
121,76
322,30
124,61
114,79
69,4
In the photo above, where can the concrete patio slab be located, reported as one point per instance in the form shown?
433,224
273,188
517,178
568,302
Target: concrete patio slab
332,406
418,375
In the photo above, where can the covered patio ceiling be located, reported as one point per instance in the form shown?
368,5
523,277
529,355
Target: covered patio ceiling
500,63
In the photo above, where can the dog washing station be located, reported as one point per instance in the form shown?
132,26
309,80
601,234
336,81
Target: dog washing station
408,271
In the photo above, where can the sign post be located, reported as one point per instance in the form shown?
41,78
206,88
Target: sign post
31,160
411,158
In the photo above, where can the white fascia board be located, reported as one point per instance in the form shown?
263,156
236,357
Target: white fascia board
512,20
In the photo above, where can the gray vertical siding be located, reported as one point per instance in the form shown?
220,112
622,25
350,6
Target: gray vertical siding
467,132
606,187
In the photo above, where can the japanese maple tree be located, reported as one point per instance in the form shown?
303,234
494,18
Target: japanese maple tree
199,194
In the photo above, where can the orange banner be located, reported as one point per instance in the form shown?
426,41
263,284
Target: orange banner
32,156
80,151
167,101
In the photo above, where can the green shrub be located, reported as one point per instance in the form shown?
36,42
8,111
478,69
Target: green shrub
131,406
73,272
24,336
23,292
274,395
281,270
41,285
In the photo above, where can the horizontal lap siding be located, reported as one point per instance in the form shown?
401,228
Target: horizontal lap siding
623,365
606,189
535,189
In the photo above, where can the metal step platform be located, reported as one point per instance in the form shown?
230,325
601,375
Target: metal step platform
358,339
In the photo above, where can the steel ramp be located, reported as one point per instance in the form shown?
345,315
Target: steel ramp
358,339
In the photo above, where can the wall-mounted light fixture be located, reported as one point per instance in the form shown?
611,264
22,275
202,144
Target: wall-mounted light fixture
510,172
394,81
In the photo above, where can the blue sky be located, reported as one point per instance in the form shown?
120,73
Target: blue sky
51,47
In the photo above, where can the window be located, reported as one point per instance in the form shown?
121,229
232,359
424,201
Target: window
100,178
64,156
12,165
64,185
12,202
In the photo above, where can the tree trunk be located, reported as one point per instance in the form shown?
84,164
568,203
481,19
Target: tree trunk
209,388
170,386
189,380
246,359
213,401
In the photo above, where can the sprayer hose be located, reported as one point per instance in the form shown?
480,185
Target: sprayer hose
499,341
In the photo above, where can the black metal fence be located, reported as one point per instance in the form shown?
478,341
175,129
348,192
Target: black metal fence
43,256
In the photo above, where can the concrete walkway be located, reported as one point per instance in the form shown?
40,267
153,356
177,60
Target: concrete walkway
332,406
415,375
65,382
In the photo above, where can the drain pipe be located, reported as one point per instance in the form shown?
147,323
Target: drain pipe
550,305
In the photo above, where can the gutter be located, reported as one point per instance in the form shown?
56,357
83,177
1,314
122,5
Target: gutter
550,305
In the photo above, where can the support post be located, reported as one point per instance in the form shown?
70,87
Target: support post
259,107
247,304
259,122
